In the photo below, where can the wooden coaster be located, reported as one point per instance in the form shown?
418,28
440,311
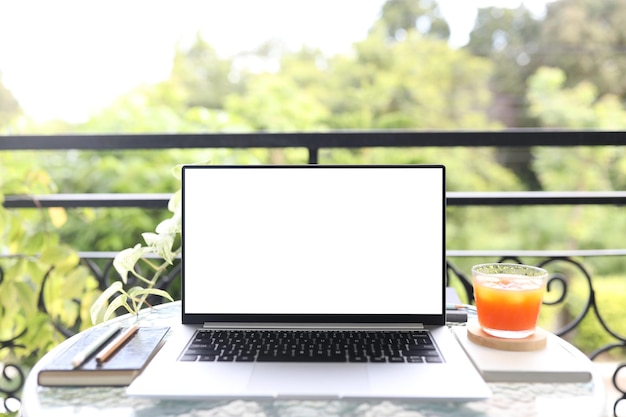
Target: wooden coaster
536,341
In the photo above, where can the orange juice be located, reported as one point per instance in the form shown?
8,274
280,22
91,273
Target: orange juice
507,304
507,308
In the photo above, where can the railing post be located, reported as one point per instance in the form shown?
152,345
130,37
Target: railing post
313,155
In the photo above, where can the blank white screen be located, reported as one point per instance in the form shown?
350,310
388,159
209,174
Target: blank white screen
313,240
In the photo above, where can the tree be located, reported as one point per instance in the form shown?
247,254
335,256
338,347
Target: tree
401,16
579,106
586,39
201,77
416,82
276,103
557,104
509,38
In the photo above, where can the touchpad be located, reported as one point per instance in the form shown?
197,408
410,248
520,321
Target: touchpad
309,380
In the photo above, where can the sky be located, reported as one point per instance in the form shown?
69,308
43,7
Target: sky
65,59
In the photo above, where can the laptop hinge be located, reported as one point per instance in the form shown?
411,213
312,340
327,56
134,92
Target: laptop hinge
314,326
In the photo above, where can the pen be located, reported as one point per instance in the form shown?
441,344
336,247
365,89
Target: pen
81,357
116,344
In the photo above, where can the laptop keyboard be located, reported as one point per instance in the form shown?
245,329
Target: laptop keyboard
311,346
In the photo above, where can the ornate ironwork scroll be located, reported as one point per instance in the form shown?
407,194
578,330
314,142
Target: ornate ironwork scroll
12,378
11,385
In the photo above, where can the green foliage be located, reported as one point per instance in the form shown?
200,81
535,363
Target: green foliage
590,335
400,16
584,227
291,108
383,85
162,243
37,267
509,38
388,85
200,78
555,104
585,39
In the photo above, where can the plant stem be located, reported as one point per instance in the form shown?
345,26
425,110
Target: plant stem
157,274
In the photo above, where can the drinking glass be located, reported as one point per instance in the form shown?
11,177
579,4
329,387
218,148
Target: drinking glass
508,298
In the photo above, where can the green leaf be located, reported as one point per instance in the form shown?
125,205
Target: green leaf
177,172
62,257
72,284
58,216
8,296
126,260
161,244
167,227
175,201
132,292
33,244
97,308
67,310
24,297
15,234
120,301
151,291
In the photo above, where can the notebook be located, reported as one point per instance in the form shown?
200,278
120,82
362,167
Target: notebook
557,362
313,250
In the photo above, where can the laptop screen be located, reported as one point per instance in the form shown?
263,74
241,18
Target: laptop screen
340,243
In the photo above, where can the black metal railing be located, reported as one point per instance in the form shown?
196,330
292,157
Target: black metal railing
314,141
100,263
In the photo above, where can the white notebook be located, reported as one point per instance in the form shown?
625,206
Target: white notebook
557,362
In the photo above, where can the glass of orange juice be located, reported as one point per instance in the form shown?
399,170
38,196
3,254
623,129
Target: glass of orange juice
508,298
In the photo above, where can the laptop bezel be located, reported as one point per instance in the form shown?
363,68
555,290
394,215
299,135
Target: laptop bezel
423,319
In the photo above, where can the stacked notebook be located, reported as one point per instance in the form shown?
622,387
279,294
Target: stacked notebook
557,362
119,370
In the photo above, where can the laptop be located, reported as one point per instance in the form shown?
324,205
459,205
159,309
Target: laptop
312,256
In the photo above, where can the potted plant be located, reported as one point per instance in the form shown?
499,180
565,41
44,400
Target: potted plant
165,246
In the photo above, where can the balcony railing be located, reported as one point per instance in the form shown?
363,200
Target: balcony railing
100,262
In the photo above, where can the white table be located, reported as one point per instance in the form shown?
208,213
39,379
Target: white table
508,399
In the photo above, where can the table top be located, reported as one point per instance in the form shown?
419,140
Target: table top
510,399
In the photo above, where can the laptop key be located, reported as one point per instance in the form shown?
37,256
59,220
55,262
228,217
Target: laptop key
207,351
421,352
